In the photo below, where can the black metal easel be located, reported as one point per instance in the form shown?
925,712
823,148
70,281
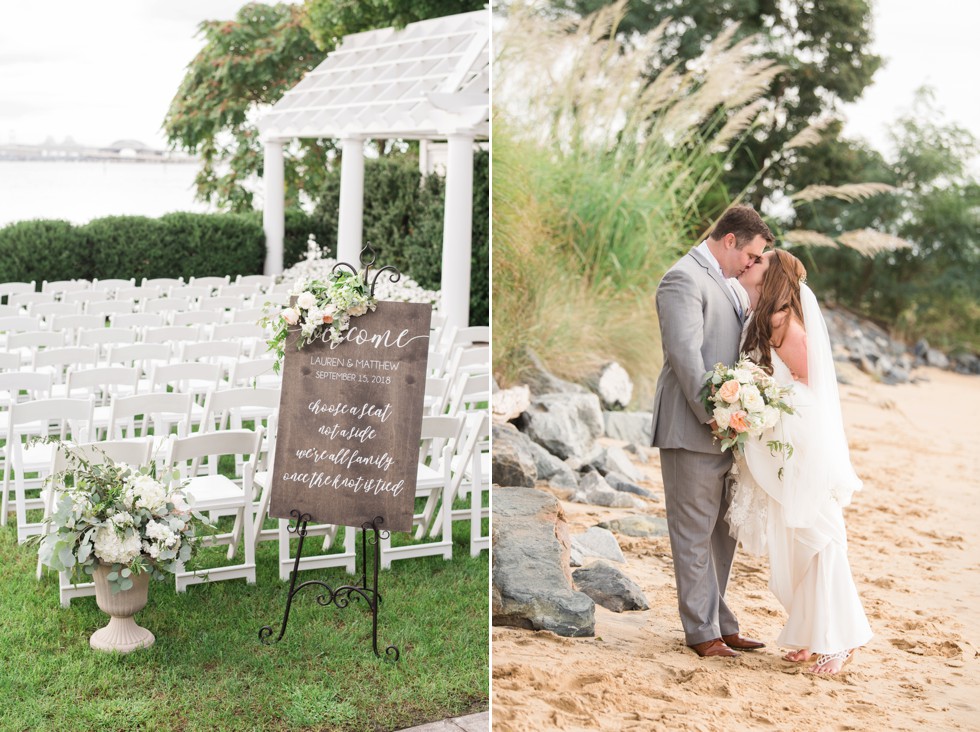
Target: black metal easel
340,596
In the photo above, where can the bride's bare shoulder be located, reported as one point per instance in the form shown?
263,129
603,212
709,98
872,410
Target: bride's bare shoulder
791,337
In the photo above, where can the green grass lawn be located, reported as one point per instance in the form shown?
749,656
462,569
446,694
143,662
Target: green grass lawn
208,670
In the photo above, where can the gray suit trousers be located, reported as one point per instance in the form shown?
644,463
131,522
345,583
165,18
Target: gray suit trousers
702,548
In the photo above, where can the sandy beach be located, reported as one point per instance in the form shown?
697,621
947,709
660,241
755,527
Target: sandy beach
915,553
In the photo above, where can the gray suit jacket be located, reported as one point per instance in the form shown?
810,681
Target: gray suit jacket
699,327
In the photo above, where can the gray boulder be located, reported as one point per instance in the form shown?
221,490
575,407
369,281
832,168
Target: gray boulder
638,526
937,359
612,385
531,585
621,483
551,469
609,587
594,489
615,460
596,543
542,381
634,427
512,462
565,424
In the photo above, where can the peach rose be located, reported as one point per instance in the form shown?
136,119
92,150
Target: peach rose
729,391
290,316
737,421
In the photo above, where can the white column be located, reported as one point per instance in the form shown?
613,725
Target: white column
273,216
350,219
457,234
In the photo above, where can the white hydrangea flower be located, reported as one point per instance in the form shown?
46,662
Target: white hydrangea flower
112,549
122,519
146,493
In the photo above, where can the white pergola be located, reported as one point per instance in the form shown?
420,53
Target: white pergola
427,81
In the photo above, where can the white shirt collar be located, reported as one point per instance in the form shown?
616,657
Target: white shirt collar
706,251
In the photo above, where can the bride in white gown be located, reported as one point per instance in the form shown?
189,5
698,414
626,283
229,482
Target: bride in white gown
791,507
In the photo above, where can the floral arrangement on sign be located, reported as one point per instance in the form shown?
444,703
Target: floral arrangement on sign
745,402
321,310
120,515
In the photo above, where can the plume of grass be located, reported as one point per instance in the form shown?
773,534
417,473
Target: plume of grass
602,178
869,242
807,238
848,192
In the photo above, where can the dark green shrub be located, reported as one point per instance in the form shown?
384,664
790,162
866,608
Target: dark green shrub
403,221
42,250
175,245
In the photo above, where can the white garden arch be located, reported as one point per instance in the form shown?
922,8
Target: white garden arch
427,81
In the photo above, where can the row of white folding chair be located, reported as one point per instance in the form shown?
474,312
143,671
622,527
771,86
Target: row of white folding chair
263,282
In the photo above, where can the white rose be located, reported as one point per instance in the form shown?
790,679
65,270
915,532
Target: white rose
306,300
752,399
743,376
290,315
770,417
723,417
358,309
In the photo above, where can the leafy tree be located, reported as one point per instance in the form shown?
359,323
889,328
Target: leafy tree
824,45
932,288
329,20
246,63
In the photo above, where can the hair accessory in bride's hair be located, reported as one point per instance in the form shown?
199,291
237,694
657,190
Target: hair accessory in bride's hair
803,280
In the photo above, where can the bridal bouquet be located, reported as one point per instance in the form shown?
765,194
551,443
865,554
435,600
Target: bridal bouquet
115,514
321,310
745,402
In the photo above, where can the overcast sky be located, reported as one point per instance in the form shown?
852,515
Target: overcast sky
103,70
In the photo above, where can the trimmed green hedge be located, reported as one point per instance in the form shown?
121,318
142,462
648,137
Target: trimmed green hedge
176,245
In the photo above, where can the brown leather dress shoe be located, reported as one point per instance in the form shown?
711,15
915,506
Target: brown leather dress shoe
714,647
743,644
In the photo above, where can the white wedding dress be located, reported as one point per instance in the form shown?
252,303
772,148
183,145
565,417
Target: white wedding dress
791,507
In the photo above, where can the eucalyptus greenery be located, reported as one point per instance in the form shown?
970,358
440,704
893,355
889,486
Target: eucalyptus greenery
119,515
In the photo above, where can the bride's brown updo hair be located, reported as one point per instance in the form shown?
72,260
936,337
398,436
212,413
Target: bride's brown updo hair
779,293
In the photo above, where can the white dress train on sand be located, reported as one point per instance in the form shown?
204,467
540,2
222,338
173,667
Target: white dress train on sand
791,508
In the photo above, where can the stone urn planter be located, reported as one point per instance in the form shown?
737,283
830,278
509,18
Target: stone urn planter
122,633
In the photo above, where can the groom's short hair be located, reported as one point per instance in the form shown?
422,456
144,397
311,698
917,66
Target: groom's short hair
745,223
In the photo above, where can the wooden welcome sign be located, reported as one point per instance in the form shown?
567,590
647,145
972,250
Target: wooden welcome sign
350,419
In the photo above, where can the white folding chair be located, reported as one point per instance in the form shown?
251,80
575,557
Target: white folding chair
9,361
138,321
440,436
102,384
255,372
172,334
26,300
215,492
259,282
166,305
112,285
59,287
14,288
70,325
41,417
105,338
164,283
197,379
131,452
247,315
156,416
30,342
479,485
10,324
212,282
106,308
57,361
48,311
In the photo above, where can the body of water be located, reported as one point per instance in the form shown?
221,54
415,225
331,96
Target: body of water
82,191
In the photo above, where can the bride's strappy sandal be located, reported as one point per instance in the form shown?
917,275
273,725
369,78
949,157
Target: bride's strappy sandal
842,656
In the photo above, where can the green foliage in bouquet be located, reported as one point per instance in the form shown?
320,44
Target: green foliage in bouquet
119,515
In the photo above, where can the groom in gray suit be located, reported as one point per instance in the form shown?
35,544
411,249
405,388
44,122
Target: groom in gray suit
700,325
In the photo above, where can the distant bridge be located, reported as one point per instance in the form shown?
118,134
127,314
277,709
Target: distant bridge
125,151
